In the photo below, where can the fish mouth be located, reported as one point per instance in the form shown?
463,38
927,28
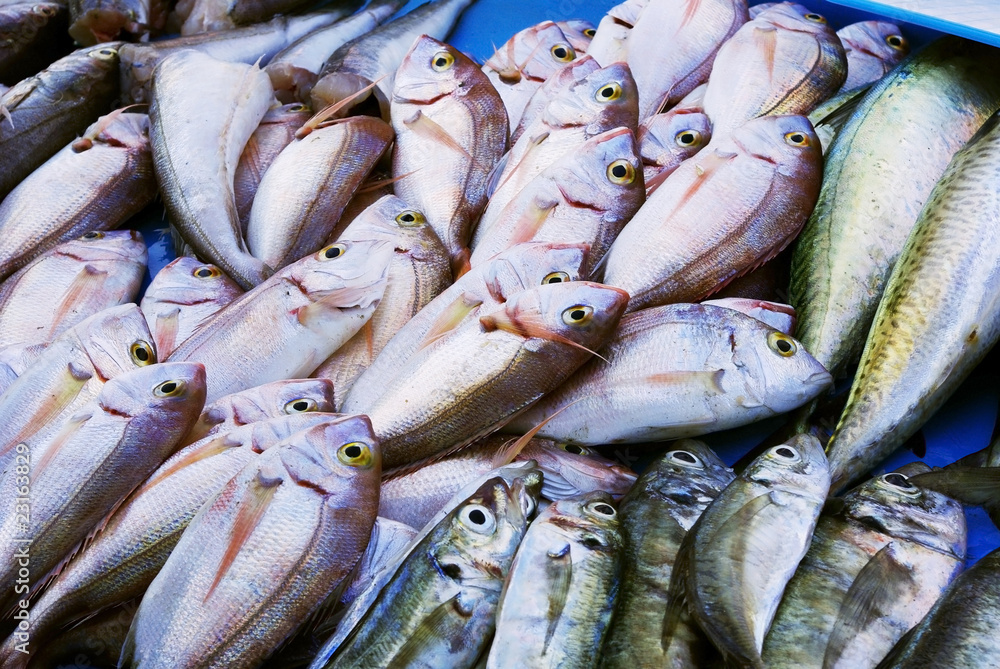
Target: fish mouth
821,379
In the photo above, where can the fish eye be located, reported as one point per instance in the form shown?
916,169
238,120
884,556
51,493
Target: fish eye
816,18
410,218
355,454
621,172
563,53
301,405
333,251
897,42
478,518
590,32
899,483
92,235
578,315
169,389
206,272
782,344
601,509
442,61
684,459
44,11
142,353
104,54
686,138
574,449
784,453
797,139
298,108
609,92
555,277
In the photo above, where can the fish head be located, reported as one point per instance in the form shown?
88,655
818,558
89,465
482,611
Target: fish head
533,264
168,396
605,174
270,400
793,16
589,520
799,465
432,70
880,39
294,113
674,136
117,340
568,76
893,505
391,219
578,32
534,53
571,470
263,434
101,60
606,98
187,281
789,142
113,245
344,274
689,477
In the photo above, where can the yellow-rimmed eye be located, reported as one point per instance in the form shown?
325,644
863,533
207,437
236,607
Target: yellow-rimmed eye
621,172
602,509
355,454
578,315
797,139
206,272
785,454
897,42
608,92
332,251
478,518
686,138
590,32
93,235
169,389
899,483
301,405
555,277
442,61
816,18
684,459
563,53
575,450
411,218
142,353
106,53
299,108
782,344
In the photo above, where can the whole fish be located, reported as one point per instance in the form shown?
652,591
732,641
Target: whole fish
924,343
667,140
288,325
249,44
202,114
375,57
418,272
586,197
779,316
31,33
92,463
306,188
736,560
676,371
569,74
468,383
522,64
654,517
276,131
672,46
43,113
873,189
270,400
481,290
608,43
872,48
94,184
785,61
734,206
79,278
207,16
96,21
123,559
446,113
557,599
602,100
295,522
438,606
959,630
872,572
295,69
182,298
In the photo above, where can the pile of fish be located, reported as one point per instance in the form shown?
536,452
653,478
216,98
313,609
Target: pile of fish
358,421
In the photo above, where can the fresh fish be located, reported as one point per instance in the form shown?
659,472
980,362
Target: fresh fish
270,400
43,113
388,541
468,383
95,642
322,301
579,33
306,188
677,371
655,515
276,131
521,65
96,21
734,206
561,80
206,16
446,113
586,197
296,520
295,69
873,48
483,289
603,100
14,360
830,117
91,464
558,596
30,30
873,189
735,562
872,572
374,58
182,298
78,279
418,272
757,10
786,61
667,140
437,607
249,45
923,343
608,44
779,316
203,112
673,44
